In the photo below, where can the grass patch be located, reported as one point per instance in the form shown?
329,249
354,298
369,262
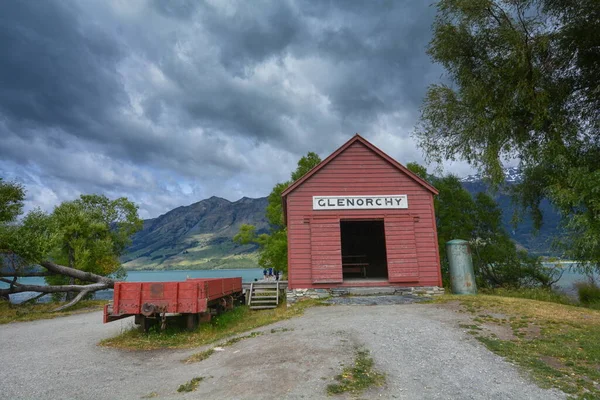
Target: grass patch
191,385
203,355
234,340
239,320
532,294
565,351
358,378
31,312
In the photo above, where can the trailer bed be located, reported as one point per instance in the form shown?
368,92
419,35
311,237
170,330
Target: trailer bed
194,296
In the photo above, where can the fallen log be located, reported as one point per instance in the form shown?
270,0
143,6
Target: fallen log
100,283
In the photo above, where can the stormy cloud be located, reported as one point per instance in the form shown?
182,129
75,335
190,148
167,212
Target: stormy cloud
168,103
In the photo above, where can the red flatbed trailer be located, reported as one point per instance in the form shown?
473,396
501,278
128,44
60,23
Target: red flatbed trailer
196,299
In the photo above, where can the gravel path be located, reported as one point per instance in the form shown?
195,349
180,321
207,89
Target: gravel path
419,346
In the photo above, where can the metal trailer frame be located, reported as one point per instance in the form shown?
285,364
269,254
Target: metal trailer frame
195,299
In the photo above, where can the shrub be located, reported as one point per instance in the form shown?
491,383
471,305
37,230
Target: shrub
589,293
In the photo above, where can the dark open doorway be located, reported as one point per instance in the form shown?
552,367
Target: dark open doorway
363,249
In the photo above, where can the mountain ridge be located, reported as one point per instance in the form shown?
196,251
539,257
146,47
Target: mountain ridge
200,235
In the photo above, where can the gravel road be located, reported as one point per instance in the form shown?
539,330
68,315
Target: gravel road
420,347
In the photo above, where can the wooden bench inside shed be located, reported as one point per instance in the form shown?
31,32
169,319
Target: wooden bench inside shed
355,264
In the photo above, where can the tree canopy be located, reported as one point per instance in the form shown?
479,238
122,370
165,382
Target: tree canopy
522,82
80,241
11,201
273,246
496,259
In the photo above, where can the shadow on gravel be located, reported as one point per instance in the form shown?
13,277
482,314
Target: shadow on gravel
374,300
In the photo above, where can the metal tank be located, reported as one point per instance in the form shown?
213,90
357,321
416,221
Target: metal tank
462,277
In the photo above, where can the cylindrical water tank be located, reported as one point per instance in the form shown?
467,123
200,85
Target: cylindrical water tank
462,277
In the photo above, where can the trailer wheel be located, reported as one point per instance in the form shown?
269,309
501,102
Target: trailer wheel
146,323
191,322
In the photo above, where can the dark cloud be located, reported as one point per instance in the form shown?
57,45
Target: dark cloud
169,102
56,72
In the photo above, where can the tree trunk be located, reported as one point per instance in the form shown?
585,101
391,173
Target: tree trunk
71,295
100,283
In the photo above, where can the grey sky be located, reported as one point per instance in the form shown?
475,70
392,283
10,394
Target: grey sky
168,103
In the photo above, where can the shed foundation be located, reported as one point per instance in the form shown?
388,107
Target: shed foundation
293,295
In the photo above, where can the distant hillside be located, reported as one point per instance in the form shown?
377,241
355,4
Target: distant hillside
198,236
537,243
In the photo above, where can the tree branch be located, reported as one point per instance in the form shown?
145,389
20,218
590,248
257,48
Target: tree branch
73,302
77,274
18,288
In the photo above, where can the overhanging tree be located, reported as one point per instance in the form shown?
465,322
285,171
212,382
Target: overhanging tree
87,235
496,259
272,252
523,82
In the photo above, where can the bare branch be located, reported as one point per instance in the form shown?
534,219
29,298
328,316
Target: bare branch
77,274
72,302
19,288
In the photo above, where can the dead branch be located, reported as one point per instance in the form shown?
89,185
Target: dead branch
19,288
77,274
76,300
101,283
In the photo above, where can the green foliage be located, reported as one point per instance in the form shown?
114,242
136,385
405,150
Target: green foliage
496,259
11,201
239,320
589,293
191,385
524,78
20,243
273,246
10,313
305,164
91,233
88,234
356,379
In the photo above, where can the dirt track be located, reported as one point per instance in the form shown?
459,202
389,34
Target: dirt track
419,346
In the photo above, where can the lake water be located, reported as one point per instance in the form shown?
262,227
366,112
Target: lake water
247,275
566,283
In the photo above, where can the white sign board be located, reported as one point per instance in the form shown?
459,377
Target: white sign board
359,202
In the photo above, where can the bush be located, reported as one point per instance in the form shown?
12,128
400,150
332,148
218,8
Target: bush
589,293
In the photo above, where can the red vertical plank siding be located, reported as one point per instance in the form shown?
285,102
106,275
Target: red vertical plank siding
326,250
401,247
358,170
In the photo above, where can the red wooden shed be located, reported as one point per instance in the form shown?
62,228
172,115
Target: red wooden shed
360,218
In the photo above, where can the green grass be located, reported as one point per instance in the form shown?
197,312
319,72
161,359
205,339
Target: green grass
191,385
558,344
203,355
357,378
31,312
239,320
532,294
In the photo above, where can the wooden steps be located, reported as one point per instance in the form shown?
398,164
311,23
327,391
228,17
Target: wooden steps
263,295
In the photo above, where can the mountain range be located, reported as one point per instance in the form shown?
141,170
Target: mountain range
199,236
